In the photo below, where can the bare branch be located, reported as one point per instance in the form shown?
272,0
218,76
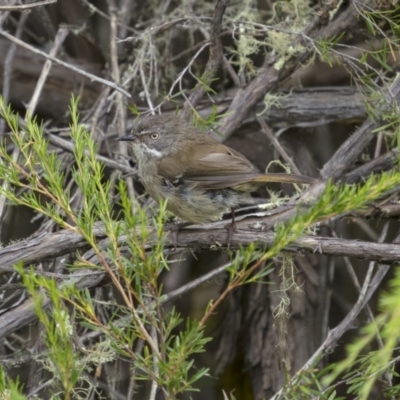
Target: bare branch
120,113
68,146
48,246
23,314
214,59
8,64
384,162
195,283
63,63
275,142
269,76
58,41
52,245
308,107
352,147
23,7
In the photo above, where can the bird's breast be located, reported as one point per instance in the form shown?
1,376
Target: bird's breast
187,201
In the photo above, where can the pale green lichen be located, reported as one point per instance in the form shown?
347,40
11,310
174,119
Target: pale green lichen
271,100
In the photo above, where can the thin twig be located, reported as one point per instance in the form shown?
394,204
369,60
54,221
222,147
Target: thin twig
120,114
58,41
8,64
23,7
64,64
366,286
195,283
378,145
214,59
366,228
154,385
145,87
93,9
50,275
231,72
180,76
3,16
138,350
61,34
101,101
338,332
68,146
357,285
275,142
154,30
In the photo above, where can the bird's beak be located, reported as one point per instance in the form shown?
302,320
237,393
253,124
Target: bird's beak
127,138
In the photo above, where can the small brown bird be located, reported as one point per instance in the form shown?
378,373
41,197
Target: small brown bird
201,178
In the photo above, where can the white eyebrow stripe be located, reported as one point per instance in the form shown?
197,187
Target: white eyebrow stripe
155,152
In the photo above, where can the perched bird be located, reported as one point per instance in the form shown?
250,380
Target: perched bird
200,177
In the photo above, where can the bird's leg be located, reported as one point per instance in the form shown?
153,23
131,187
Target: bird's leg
231,228
174,229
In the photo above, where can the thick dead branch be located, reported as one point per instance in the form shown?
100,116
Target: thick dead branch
47,246
316,106
307,107
269,76
384,162
352,147
23,314
349,150
300,107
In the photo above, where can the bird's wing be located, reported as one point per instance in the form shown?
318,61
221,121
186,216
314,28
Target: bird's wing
223,168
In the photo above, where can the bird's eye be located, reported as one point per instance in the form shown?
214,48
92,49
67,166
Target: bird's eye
154,136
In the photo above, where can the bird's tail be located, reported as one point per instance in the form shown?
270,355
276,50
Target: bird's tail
286,178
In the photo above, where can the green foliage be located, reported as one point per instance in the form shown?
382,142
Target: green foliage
363,370
9,389
325,49
36,179
134,255
307,384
